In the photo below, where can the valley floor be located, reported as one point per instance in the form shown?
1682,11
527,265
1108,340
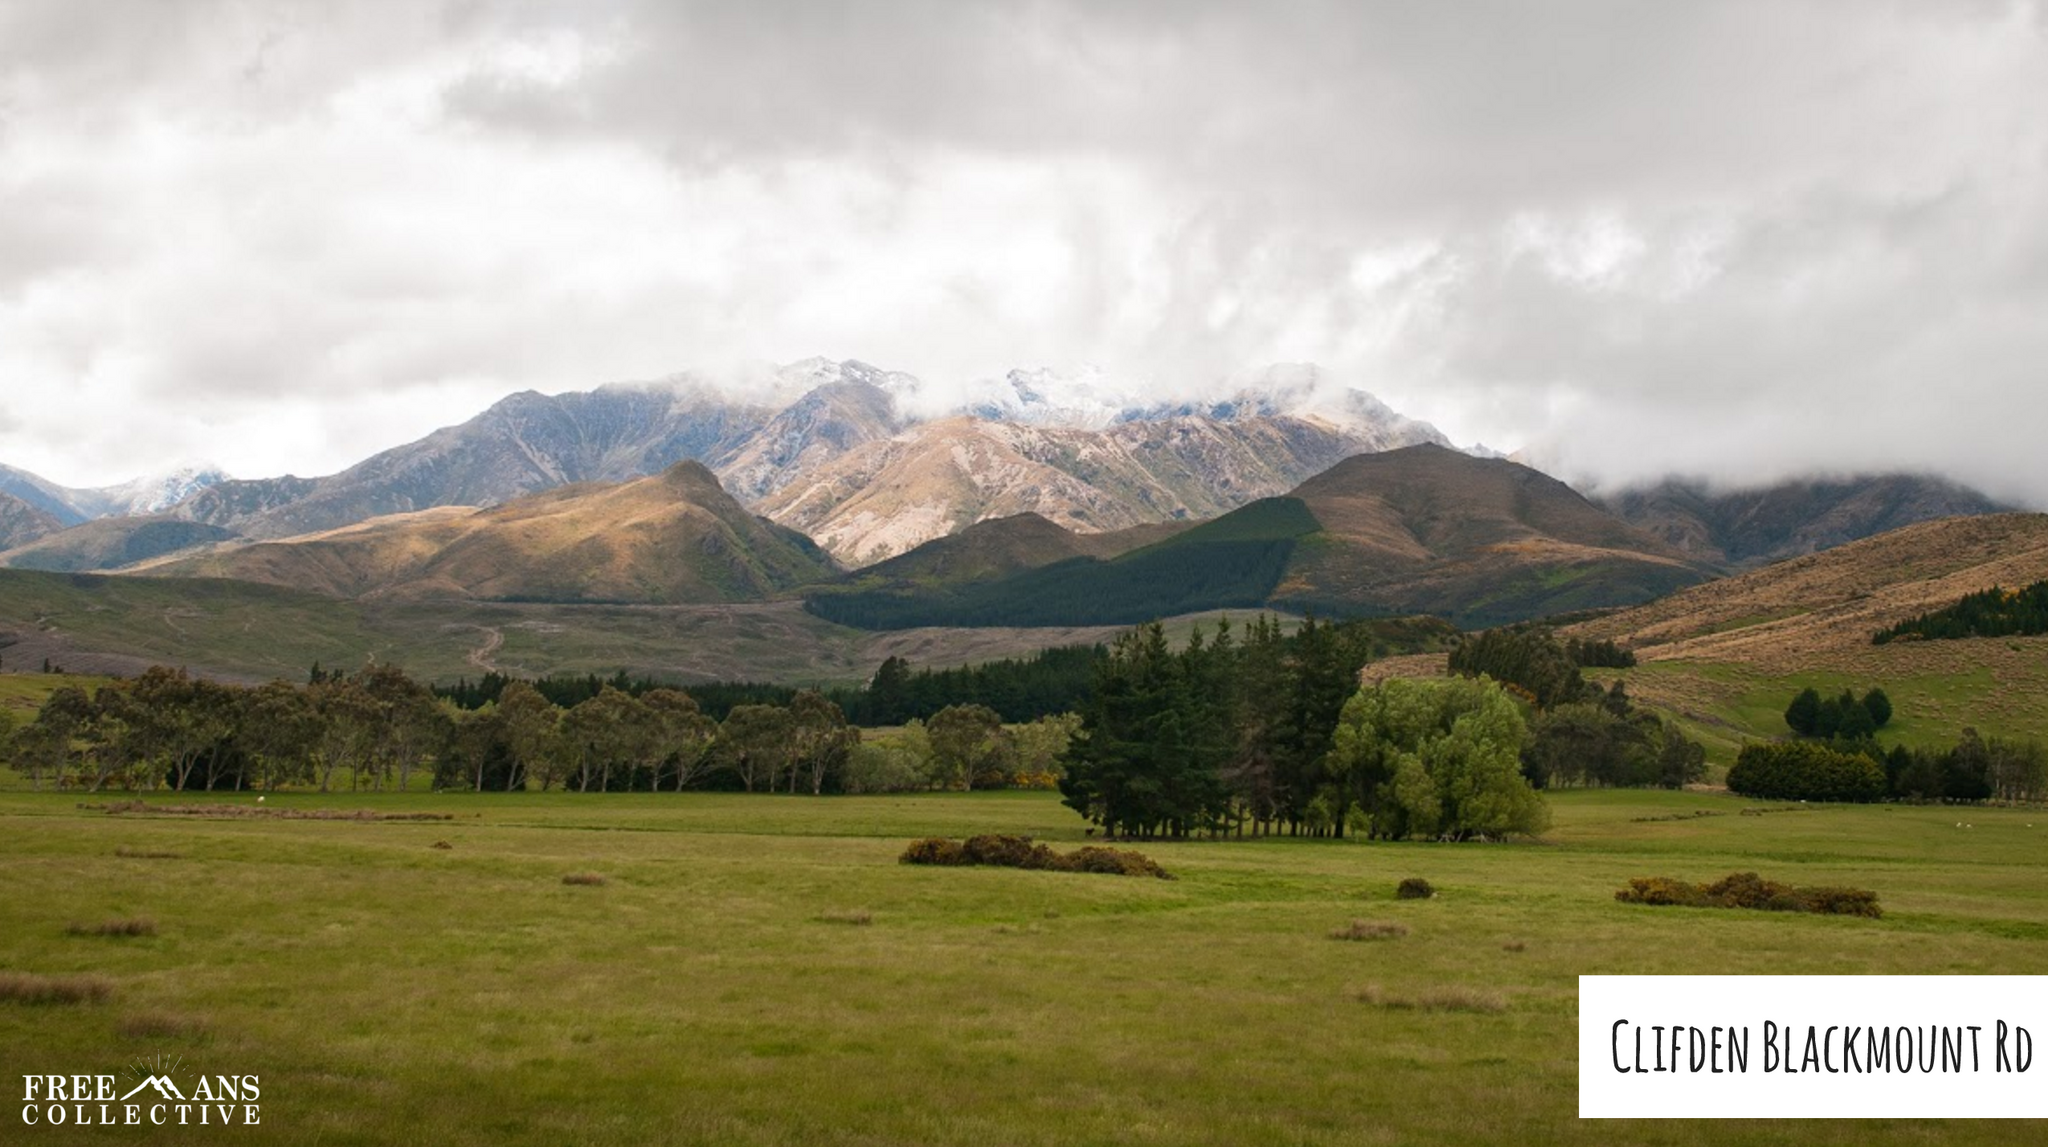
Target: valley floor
761,970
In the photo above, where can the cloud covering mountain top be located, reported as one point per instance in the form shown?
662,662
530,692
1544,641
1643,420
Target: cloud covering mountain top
1737,240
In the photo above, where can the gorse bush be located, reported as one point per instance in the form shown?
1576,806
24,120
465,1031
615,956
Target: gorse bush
1748,890
1112,862
1002,851
935,850
1008,852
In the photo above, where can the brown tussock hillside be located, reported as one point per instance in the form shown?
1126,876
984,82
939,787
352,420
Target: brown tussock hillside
1789,615
673,538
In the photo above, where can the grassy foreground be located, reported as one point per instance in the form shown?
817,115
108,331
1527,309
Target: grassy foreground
721,986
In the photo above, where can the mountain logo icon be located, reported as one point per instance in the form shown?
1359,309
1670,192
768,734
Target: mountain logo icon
164,1087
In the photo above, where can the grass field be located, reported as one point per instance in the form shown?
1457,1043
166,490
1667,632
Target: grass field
720,986
1938,688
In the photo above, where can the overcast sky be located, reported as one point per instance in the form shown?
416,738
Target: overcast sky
1733,239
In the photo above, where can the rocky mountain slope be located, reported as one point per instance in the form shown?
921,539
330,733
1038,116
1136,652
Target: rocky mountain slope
1767,524
889,496
146,495
523,444
22,523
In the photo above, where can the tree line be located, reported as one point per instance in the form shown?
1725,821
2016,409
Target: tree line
374,728
1974,769
1835,756
1019,689
1995,612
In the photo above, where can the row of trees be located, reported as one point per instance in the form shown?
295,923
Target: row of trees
1804,770
1975,768
1269,732
962,747
1048,682
167,728
373,728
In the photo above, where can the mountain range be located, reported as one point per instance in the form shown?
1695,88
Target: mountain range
22,522
67,506
872,464
857,456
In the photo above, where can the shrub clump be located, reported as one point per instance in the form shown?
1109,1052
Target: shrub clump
29,988
137,926
1748,890
935,850
1446,998
1003,851
1415,888
1112,862
1370,930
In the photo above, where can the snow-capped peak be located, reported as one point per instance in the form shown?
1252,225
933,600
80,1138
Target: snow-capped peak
809,374
157,492
1088,398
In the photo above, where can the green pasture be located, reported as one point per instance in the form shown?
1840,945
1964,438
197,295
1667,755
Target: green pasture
1723,705
761,970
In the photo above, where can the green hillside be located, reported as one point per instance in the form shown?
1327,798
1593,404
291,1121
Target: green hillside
1233,562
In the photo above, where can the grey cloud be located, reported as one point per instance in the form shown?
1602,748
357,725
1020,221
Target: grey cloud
1758,236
